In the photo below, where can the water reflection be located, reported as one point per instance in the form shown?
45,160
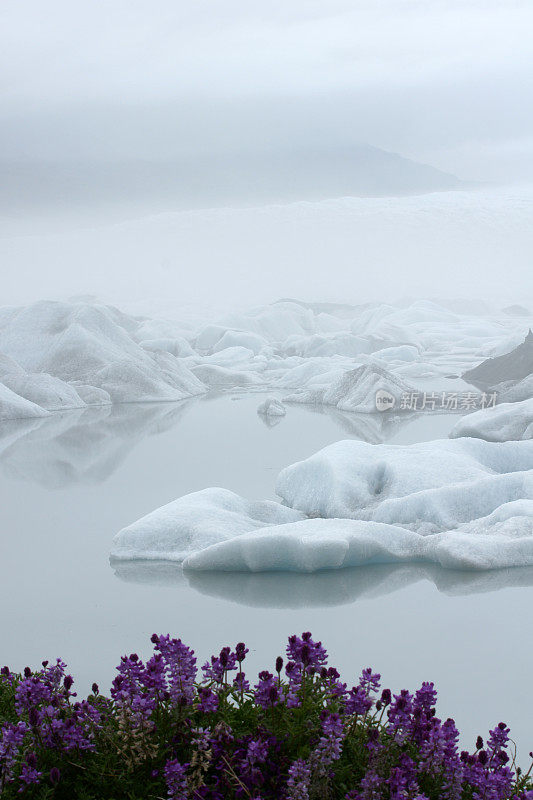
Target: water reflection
372,428
85,446
321,589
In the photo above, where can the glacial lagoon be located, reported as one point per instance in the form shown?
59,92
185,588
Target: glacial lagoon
69,482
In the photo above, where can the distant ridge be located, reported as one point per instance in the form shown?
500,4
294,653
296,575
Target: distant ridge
202,182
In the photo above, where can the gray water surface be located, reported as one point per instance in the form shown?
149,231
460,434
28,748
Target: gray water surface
67,484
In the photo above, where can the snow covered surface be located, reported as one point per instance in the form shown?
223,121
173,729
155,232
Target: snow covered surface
501,423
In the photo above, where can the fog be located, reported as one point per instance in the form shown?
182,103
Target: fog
247,127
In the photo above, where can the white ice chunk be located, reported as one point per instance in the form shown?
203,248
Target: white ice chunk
501,423
272,407
44,390
505,539
248,339
12,406
92,345
213,375
430,484
194,522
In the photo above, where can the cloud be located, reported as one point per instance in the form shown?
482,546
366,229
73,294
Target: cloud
134,79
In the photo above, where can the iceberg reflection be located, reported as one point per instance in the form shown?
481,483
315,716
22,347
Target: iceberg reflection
84,446
321,589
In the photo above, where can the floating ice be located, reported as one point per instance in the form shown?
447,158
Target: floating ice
66,355
12,406
337,356
271,407
357,390
500,423
432,485
215,376
514,391
44,390
460,503
503,539
196,521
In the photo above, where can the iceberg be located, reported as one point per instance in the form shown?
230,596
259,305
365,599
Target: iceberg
196,521
503,539
458,503
13,406
60,356
44,390
501,423
271,407
431,485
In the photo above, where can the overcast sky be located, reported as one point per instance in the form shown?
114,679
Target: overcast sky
447,82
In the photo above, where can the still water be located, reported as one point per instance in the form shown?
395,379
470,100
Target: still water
67,484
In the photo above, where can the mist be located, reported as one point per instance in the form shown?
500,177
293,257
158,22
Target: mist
207,151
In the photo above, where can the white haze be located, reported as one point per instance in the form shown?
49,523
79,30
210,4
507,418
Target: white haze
101,99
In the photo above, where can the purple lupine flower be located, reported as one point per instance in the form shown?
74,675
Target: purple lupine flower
240,651
305,652
329,746
331,681
370,681
201,738
11,740
423,712
371,785
267,692
299,778
293,672
241,683
402,781
45,697
357,702
399,715
208,700
213,670
176,780
179,666
426,698
29,773
498,740
257,752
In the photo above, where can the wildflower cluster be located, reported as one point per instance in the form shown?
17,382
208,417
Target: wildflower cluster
295,733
